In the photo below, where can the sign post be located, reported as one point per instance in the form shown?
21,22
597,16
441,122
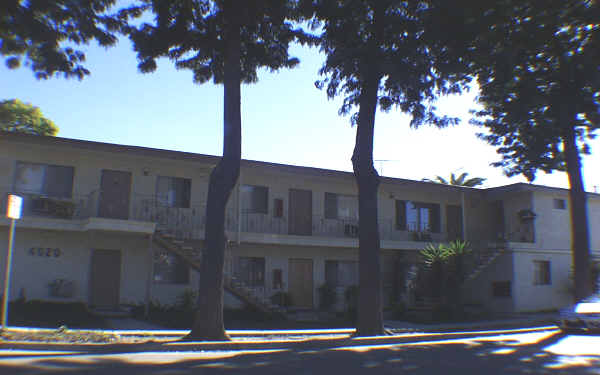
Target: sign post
13,212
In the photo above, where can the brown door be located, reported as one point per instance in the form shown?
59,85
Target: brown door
454,222
300,212
300,282
115,188
105,279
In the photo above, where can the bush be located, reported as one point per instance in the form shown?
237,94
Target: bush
46,314
282,299
327,296
351,298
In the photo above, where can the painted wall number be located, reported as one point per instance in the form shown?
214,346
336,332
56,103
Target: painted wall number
45,252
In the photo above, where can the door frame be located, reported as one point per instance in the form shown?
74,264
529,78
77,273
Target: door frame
312,282
92,291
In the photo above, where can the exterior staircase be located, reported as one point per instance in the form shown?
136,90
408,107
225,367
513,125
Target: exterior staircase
192,256
483,259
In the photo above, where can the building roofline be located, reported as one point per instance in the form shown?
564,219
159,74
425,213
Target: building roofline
212,159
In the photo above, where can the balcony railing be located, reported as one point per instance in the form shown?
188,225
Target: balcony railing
41,205
190,222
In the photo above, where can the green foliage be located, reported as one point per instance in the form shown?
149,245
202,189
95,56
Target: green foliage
432,254
19,117
41,34
327,296
461,180
445,268
193,35
385,39
538,71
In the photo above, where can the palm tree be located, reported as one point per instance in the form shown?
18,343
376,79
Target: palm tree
461,180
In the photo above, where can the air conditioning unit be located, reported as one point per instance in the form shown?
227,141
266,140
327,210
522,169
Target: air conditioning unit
351,230
40,205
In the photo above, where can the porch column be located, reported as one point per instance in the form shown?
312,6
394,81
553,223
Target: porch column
149,277
464,215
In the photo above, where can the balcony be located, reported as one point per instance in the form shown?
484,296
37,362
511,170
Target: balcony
146,212
80,212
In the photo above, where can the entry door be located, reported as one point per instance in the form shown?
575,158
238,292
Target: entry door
105,279
300,212
115,188
300,282
454,222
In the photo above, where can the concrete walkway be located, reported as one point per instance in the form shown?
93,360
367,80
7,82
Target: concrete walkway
517,320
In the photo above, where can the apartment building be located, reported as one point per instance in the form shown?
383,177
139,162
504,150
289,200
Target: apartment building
113,225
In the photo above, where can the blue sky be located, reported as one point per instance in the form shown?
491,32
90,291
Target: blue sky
285,119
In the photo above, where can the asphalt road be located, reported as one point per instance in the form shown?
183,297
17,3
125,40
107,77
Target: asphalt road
544,352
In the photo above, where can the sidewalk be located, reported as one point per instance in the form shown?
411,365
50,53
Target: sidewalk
518,320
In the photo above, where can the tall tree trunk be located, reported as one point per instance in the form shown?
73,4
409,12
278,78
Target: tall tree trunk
580,240
208,323
370,316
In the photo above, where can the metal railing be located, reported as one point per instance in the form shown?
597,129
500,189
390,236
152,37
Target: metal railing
190,222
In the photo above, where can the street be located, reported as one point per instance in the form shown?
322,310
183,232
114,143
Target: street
545,351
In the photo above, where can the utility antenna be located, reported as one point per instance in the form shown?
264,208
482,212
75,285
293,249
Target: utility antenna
381,161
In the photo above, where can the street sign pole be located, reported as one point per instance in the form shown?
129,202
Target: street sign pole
7,273
13,212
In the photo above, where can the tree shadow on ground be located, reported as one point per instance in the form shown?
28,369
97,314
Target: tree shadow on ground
547,352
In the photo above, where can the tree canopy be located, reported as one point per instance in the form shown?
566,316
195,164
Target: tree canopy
19,117
41,34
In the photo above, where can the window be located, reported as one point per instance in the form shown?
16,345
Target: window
338,206
342,273
560,204
417,216
501,289
255,199
173,191
42,179
251,271
541,272
170,269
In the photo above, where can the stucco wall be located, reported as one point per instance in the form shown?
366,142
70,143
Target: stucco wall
31,274
277,257
479,289
530,297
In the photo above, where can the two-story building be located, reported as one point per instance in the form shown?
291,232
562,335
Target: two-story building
113,225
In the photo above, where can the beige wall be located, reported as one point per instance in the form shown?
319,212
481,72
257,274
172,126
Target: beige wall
32,273
478,290
530,297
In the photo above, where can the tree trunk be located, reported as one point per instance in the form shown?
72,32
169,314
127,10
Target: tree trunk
580,241
370,316
208,323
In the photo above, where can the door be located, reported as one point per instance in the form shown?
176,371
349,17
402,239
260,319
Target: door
454,222
300,282
105,279
115,188
300,212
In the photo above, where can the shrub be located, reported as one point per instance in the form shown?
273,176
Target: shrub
282,299
327,296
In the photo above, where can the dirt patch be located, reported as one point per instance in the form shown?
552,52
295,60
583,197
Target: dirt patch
61,335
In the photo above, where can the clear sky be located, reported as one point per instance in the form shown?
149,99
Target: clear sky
285,119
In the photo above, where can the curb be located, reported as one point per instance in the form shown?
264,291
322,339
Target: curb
312,342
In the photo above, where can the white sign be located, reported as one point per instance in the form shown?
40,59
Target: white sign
15,203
